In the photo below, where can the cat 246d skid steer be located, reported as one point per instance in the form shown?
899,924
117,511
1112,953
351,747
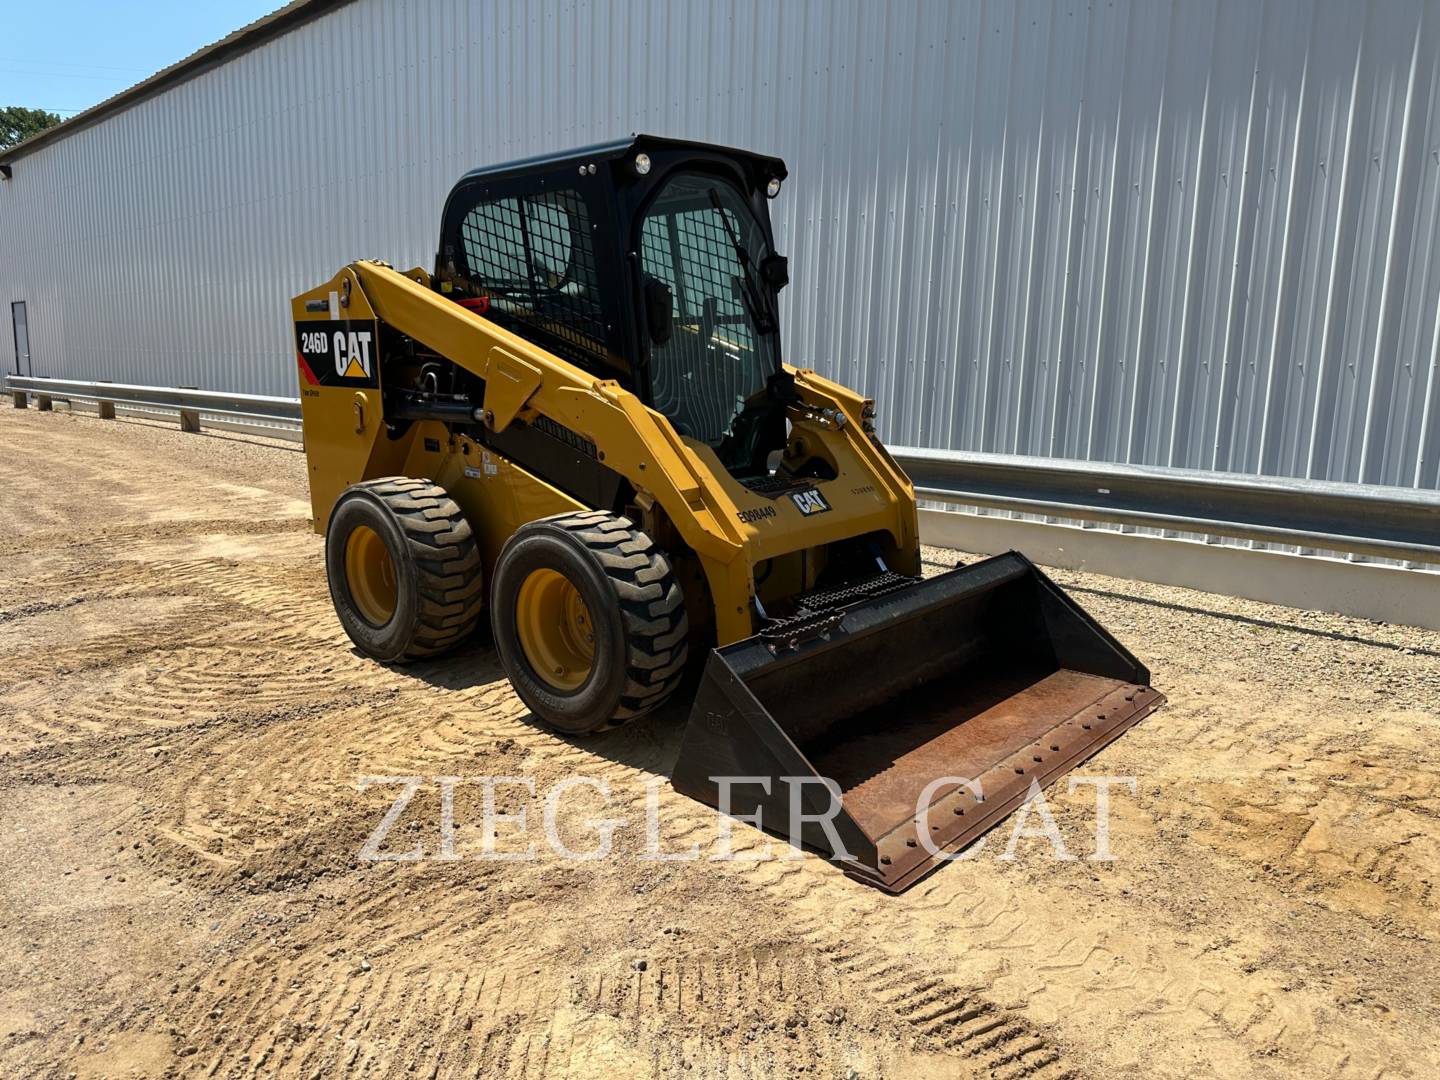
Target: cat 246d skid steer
580,424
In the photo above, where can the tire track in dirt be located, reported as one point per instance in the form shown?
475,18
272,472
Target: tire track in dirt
411,1008
975,922
385,922
995,1038
153,543
290,603
1186,957
996,1041
166,689
1356,827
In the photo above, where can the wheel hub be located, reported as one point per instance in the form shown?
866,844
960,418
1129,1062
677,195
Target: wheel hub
370,575
555,628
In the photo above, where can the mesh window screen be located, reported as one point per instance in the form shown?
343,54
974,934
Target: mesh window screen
534,256
713,361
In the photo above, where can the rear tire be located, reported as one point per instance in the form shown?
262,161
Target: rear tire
404,568
589,620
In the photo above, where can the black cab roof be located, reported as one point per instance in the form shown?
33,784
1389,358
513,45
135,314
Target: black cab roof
761,164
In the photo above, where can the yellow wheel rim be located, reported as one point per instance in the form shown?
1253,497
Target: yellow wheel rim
370,575
555,629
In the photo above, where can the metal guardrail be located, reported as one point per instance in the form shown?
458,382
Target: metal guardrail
1360,519
283,412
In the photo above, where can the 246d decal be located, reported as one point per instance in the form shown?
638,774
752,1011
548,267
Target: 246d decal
337,353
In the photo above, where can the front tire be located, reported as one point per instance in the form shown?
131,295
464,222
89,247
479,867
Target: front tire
589,620
404,568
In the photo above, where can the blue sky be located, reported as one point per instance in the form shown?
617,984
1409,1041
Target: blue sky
68,56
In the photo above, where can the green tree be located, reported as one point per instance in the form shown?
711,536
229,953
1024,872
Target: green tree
18,123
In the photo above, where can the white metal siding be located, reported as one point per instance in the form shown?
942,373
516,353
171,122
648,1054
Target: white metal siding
1191,233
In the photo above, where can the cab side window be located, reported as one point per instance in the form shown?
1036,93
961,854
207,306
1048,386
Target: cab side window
531,260
714,359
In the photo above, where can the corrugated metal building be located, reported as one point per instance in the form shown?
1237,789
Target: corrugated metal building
1191,233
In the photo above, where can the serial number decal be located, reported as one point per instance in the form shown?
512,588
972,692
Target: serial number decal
809,501
755,513
340,352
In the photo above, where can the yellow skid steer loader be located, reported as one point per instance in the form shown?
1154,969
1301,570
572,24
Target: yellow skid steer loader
581,421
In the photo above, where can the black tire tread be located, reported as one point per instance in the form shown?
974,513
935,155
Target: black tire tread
652,606
446,556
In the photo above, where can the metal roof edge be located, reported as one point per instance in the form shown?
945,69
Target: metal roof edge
248,37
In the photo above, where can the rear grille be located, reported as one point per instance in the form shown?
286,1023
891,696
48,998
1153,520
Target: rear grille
773,486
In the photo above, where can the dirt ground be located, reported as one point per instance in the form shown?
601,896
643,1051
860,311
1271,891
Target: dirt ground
184,731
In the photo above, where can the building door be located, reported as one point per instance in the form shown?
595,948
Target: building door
22,338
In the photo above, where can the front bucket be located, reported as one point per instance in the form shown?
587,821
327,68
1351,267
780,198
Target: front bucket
929,710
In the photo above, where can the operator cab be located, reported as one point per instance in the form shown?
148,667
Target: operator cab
650,261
